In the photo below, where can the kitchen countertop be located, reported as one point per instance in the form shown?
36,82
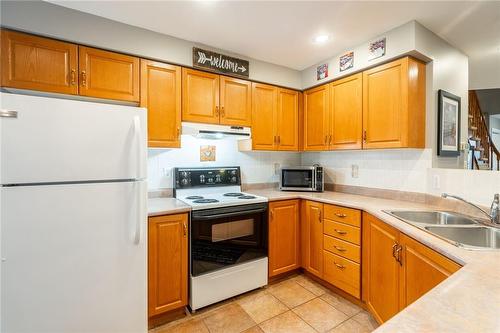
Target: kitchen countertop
165,206
468,301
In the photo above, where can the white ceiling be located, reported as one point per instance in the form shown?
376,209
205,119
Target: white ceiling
282,32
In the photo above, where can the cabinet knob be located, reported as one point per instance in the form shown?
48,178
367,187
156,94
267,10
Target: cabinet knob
84,78
184,228
217,111
73,77
340,215
222,112
364,136
340,232
178,132
339,266
338,248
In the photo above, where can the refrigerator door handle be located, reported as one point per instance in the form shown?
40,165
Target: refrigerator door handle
140,209
138,135
8,114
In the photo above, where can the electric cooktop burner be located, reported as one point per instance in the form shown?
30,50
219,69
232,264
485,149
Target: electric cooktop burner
246,197
193,197
233,194
205,200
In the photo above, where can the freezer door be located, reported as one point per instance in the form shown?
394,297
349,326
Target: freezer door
73,258
60,140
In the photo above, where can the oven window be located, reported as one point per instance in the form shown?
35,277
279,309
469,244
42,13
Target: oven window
222,241
297,178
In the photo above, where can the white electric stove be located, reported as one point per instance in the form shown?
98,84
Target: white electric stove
228,237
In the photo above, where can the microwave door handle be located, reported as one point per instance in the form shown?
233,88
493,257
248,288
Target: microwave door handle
313,174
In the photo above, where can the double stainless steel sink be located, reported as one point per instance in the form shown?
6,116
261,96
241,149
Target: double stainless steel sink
460,230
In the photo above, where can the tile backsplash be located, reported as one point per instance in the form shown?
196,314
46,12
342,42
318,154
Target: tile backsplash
256,166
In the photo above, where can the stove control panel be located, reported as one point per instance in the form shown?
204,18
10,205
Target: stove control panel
201,177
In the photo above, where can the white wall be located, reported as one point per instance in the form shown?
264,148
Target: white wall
256,167
484,72
399,41
67,24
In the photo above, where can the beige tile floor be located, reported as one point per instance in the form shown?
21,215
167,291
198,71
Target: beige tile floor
295,305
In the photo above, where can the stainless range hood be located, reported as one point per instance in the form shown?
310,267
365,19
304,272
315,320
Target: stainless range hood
212,131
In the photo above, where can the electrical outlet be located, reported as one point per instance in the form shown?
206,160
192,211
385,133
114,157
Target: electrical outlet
436,182
354,171
277,168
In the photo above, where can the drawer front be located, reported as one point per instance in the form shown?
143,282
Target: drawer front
343,215
343,231
342,273
342,248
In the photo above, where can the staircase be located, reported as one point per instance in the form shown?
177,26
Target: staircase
483,155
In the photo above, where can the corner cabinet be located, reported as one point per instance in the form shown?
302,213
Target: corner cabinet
284,233
394,105
161,95
37,63
397,270
275,118
167,263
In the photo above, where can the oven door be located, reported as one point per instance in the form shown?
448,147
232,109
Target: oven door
227,236
303,179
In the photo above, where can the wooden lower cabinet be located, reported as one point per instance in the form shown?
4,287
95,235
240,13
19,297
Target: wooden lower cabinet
284,234
167,263
313,238
397,270
422,269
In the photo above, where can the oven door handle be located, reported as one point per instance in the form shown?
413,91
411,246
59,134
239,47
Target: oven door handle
216,216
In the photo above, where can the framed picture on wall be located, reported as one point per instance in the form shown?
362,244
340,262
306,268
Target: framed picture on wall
448,124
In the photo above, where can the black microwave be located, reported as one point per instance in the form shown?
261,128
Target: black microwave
302,179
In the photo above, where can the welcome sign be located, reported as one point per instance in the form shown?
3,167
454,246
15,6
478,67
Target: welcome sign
220,63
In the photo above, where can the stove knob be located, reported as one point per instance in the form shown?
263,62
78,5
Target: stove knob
233,172
184,174
233,179
217,179
202,179
210,180
184,182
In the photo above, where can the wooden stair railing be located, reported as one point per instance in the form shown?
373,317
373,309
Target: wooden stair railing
479,133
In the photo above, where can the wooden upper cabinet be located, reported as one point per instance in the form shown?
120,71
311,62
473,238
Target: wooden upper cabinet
346,113
284,234
422,269
288,120
394,105
316,114
235,102
37,63
161,95
105,74
381,270
264,99
314,238
167,263
200,96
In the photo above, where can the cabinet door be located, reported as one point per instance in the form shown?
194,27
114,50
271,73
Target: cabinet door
264,99
167,263
283,236
385,105
316,114
288,119
346,105
161,95
235,102
422,269
200,96
36,63
380,268
105,74
314,241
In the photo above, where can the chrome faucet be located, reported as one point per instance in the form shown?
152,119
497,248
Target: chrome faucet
493,215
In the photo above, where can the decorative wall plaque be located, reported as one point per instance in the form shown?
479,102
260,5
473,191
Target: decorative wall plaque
220,63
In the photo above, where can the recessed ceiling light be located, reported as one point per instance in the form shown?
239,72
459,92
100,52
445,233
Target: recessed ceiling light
321,39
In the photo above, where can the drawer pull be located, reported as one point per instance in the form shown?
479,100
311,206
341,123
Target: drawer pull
338,248
340,215
339,266
340,232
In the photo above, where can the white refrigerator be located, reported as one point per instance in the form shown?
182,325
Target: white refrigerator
73,216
